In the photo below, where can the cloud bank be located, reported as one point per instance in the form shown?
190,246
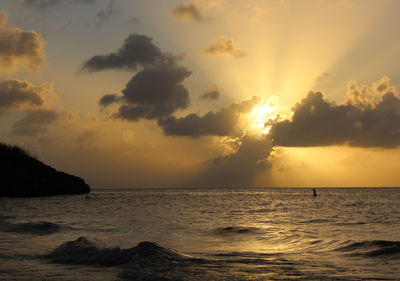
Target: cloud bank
369,117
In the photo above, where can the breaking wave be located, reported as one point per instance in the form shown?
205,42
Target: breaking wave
146,261
153,262
374,248
84,251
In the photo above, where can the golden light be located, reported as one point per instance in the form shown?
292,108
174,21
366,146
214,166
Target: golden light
261,115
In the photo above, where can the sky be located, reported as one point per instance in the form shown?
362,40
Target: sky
205,93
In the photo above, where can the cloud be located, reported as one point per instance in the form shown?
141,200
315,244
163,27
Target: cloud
322,76
34,123
154,93
239,168
88,137
369,117
221,123
45,4
188,11
18,47
37,101
108,99
223,46
138,51
212,94
106,14
359,97
17,95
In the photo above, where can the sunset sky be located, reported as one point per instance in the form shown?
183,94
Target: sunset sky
167,93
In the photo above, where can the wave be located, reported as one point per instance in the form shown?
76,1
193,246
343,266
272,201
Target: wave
314,221
40,228
235,230
152,262
373,248
146,261
351,223
84,251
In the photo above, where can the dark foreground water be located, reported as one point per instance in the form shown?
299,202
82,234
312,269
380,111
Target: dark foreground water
229,234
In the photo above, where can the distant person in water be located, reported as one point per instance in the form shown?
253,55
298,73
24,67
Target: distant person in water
315,192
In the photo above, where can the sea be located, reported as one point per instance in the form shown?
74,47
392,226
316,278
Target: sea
203,234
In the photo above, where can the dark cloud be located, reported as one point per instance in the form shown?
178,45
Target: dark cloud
34,123
19,47
221,123
370,117
223,46
154,93
138,51
45,4
106,14
212,94
239,168
188,11
108,99
17,95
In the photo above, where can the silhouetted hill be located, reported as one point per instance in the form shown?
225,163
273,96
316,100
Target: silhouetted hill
21,175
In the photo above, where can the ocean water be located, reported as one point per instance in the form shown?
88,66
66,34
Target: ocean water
203,234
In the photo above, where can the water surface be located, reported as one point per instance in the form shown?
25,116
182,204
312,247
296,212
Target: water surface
207,234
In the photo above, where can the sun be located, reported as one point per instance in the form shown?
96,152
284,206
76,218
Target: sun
261,114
